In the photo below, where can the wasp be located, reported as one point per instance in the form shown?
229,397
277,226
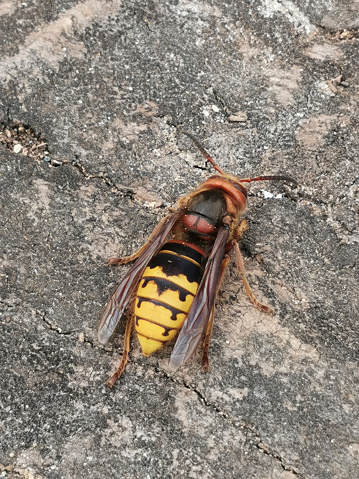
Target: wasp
173,283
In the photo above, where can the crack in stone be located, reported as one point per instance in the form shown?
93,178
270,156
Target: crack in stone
52,325
124,192
220,101
198,167
270,452
250,430
81,338
253,436
341,34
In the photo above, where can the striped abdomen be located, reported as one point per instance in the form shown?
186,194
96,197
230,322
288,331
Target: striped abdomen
165,294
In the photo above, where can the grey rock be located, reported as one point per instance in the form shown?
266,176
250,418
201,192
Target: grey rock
108,85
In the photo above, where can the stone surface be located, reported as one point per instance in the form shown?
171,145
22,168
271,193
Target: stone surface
106,85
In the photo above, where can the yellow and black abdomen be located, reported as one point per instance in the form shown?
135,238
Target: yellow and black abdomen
165,293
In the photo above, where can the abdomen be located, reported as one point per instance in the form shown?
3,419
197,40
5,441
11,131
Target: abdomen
165,293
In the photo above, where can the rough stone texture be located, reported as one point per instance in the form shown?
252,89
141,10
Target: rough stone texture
107,83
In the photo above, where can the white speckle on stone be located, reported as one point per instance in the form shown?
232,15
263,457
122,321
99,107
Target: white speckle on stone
290,11
17,148
268,195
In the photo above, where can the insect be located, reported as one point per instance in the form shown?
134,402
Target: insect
173,283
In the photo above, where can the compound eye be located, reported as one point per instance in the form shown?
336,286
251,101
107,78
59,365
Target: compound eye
240,188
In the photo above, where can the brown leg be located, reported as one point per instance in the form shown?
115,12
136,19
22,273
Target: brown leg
243,226
132,257
126,349
207,338
126,259
205,360
240,267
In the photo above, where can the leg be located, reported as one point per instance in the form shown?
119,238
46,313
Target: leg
240,267
126,348
132,257
243,226
205,360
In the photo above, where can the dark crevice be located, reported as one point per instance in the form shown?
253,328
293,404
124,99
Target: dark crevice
252,433
51,325
81,338
23,140
198,167
220,101
340,35
123,191
269,452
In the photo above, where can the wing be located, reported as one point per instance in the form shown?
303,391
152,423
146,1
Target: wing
119,300
198,316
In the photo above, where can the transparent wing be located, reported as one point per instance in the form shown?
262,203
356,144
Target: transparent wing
199,313
119,300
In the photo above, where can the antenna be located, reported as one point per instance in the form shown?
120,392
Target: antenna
244,180
204,152
269,178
